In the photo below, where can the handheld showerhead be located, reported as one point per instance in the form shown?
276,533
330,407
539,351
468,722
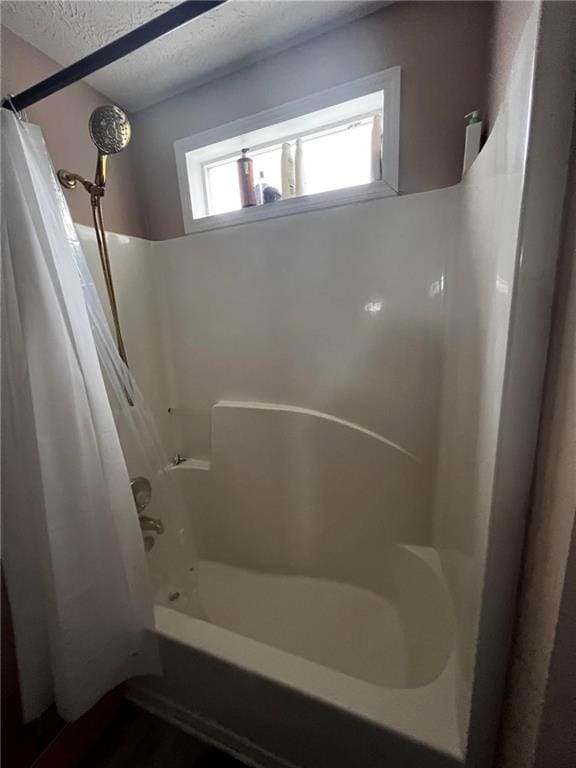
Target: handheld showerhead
110,131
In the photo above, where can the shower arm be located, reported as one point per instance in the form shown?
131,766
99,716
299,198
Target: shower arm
95,188
70,179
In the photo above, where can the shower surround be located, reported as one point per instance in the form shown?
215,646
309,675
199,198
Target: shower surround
301,359
335,381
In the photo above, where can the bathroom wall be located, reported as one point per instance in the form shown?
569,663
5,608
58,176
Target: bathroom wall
63,118
542,662
138,285
552,102
479,287
541,706
508,23
336,311
455,57
497,335
442,47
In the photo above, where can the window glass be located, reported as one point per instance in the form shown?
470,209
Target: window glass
333,159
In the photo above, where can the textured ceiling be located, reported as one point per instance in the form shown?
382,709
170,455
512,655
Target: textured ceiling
230,36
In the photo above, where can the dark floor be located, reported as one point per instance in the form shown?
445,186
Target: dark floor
136,739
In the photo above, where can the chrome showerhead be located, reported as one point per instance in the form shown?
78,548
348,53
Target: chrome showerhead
109,129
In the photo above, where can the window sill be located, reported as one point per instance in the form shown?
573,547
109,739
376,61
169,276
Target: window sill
293,205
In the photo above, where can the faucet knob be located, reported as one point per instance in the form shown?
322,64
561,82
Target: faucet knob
151,524
142,492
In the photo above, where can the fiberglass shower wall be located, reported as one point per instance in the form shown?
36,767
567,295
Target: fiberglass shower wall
337,312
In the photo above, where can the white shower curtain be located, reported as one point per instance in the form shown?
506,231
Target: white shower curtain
72,549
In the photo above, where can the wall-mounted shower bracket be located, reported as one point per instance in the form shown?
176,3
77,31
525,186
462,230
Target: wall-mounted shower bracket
69,180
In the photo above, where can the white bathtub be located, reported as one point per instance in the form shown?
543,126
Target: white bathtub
307,671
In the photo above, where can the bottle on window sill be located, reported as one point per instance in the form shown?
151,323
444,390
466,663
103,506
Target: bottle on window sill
259,189
376,149
271,195
288,175
246,180
300,173
473,139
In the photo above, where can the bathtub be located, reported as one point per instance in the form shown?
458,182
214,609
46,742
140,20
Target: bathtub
300,670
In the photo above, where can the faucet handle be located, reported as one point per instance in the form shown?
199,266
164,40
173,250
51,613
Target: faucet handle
142,492
151,524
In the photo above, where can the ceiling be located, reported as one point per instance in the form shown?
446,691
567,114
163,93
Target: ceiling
226,38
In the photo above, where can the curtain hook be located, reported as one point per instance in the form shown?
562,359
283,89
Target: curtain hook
7,101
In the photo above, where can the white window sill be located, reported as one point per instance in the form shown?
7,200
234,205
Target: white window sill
293,205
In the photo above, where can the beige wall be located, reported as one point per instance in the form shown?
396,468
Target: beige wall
63,118
455,56
443,48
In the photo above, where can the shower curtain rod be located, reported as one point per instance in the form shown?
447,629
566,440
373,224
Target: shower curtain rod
115,50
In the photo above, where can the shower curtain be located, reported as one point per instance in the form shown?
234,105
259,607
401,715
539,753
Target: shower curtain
72,549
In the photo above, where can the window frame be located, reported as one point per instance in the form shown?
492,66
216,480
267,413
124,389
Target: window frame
191,182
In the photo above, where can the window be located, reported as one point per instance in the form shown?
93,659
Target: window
335,127
334,158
